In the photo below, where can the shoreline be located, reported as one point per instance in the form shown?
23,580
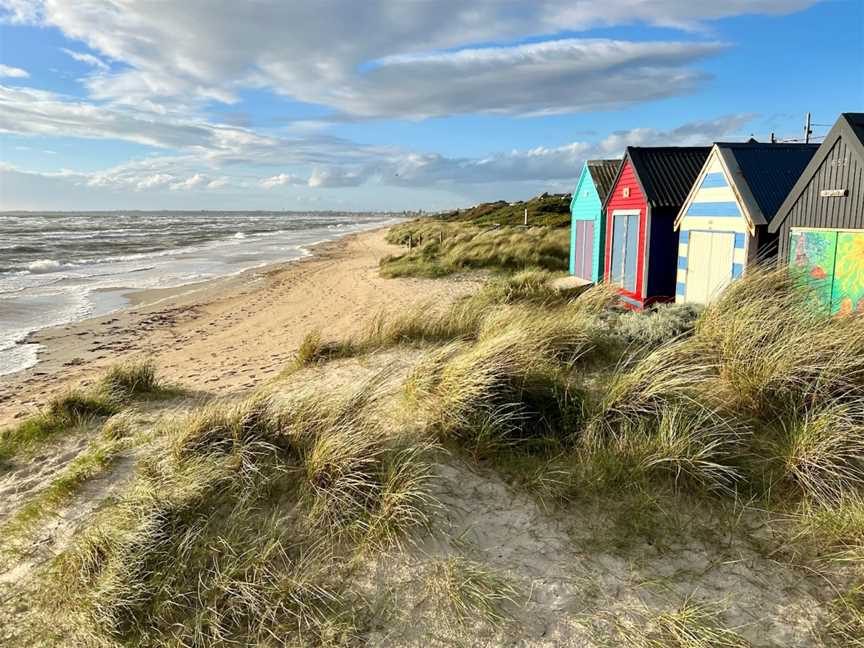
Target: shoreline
108,300
227,333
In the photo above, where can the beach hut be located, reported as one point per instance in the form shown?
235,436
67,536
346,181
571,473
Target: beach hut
820,225
723,225
641,241
587,228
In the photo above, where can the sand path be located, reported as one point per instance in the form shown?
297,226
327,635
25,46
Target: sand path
230,334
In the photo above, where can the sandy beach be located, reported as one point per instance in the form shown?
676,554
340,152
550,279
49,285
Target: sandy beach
229,334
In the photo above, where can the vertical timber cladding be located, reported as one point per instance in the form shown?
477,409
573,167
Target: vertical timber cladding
841,169
824,213
626,213
587,231
714,221
584,206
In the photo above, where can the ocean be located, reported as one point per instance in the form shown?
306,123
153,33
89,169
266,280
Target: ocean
57,268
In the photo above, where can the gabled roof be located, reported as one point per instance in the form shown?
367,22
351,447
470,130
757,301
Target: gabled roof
665,173
763,174
850,128
603,174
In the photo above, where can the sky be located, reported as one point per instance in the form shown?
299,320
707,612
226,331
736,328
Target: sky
393,104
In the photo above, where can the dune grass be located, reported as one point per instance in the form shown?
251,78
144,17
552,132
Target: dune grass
246,527
471,591
79,407
440,250
248,520
691,625
90,463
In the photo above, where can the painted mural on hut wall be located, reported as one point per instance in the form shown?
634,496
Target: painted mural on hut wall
832,264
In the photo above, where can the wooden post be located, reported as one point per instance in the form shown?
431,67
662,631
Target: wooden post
410,243
807,130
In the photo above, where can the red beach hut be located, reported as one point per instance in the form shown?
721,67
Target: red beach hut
641,242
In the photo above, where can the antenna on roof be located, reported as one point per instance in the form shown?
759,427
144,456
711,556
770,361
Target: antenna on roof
808,131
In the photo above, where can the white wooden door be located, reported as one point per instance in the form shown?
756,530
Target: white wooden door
709,265
722,258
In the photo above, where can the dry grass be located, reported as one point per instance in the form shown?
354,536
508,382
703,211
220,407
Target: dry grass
471,591
774,351
821,454
443,249
80,407
692,625
247,520
244,526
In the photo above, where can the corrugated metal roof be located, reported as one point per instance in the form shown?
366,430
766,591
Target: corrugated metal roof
667,172
770,170
603,174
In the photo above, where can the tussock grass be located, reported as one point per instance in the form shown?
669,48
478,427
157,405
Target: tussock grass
832,532
132,379
643,385
692,625
683,447
80,407
62,413
821,454
846,624
314,349
497,393
245,528
425,324
471,591
774,351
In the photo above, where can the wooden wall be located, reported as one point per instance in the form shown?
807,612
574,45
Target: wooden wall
586,206
714,208
841,169
635,201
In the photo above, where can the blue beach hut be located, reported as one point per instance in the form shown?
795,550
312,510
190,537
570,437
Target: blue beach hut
587,225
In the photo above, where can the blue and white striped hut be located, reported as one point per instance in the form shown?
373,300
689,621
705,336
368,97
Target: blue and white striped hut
723,224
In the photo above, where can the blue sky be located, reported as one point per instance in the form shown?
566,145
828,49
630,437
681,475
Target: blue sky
389,104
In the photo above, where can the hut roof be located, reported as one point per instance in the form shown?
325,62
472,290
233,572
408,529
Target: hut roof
666,173
603,174
769,170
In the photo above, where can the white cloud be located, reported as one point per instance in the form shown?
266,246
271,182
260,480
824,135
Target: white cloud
9,72
281,180
325,52
551,77
522,172
193,182
87,59
535,167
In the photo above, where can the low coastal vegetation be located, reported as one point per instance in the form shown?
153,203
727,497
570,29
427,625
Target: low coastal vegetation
490,236
80,407
328,513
